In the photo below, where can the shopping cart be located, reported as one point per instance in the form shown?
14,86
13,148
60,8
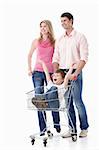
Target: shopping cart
41,102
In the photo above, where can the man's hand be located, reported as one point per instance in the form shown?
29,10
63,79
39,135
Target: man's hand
73,76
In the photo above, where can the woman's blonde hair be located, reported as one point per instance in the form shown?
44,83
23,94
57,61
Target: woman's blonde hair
50,32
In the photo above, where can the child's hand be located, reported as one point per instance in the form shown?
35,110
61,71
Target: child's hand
69,74
74,75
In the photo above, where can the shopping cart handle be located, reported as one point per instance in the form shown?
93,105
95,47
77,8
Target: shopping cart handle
74,77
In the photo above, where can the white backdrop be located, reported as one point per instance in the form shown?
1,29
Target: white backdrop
19,26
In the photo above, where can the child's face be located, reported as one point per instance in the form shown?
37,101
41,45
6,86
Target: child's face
57,78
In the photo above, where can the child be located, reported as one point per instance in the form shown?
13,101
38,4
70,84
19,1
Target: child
59,80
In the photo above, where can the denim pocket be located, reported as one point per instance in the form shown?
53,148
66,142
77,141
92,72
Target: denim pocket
36,75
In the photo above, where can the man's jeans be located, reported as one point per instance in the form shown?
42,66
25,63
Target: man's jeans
75,96
38,81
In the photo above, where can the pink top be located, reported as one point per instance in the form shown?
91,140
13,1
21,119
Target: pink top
70,49
44,52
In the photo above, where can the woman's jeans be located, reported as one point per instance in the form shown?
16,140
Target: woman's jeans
76,98
38,80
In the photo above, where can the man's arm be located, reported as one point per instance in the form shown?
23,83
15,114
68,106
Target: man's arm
55,66
56,57
83,56
78,70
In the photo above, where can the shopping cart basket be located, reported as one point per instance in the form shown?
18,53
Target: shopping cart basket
44,102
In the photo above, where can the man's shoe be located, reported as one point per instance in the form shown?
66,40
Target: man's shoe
83,133
50,134
67,135
58,130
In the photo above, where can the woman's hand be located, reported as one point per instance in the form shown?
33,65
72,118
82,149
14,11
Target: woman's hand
30,72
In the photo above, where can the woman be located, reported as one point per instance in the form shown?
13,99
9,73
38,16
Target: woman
44,46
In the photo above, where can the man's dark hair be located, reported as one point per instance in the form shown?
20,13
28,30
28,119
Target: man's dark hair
61,72
68,15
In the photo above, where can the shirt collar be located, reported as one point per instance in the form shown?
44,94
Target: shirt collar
70,35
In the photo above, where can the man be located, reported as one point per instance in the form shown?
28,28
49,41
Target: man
72,48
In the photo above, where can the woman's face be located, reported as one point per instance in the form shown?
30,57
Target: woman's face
43,28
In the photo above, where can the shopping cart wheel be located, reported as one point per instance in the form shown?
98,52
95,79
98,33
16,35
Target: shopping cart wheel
74,137
50,135
32,141
45,141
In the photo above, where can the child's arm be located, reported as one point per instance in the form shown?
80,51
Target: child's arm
45,70
67,77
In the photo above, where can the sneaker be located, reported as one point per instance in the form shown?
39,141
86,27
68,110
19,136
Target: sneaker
66,135
83,133
42,133
50,134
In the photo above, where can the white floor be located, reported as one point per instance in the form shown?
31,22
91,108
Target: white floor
20,26
16,133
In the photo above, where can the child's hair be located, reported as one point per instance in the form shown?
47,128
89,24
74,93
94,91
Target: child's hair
61,72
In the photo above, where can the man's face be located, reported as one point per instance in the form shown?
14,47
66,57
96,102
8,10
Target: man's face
57,78
66,23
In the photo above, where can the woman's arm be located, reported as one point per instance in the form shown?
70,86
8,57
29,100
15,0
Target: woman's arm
33,47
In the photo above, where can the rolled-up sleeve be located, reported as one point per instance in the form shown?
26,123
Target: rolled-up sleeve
83,49
56,56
